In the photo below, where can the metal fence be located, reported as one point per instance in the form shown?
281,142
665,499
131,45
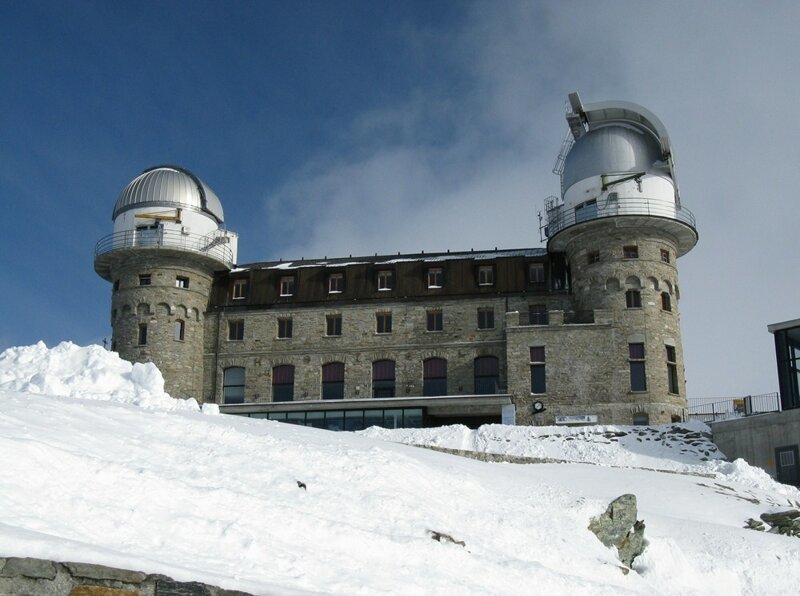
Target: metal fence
717,408
215,245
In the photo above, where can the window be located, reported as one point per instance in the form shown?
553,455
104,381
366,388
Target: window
142,334
239,291
233,385
333,325
486,275
665,255
537,370
333,380
636,361
285,327
116,285
666,302
385,280
593,256
487,375
287,285
180,328
672,369
144,280
633,299
537,314
283,383
383,322
486,318
236,330
335,283
434,320
536,273
182,282
434,377
630,252
383,378
435,277
641,419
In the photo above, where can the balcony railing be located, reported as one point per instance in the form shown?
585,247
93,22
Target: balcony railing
215,245
733,407
561,217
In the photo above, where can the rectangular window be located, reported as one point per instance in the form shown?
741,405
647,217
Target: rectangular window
383,322
435,277
239,290
593,256
486,318
236,330
180,330
672,369
538,314
633,299
537,370
287,285
285,327
144,280
434,320
182,282
336,283
666,302
665,255
637,366
486,275
142,334
536,273
333,325
116,285
385,280
630,252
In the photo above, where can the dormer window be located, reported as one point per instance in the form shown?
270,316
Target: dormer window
287,285
336,283
536,273
385,280
486,275
435,277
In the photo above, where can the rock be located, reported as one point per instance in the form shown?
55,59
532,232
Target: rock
173,588
781,518
105,573
442,537
100,591
618,527
27,567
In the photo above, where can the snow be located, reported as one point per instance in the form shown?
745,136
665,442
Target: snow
101,466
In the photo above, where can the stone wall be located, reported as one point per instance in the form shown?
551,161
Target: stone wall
41,577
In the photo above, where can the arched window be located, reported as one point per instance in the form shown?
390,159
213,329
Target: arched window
333,380
383,378
233,385
283,383
434,377
487,375
180,329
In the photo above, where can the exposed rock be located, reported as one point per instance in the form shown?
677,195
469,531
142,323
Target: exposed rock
106,573
442,537
618,527
28,567
173,588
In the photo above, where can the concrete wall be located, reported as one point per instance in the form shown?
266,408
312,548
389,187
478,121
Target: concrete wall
755,438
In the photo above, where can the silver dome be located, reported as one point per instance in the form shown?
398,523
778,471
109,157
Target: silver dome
612,149
169,186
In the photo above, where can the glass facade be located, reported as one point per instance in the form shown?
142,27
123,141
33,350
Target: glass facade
349,419
787,349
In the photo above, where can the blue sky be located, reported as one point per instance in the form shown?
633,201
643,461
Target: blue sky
331,128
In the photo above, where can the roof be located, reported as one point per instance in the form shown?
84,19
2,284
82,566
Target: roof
398,258
785,325
169,186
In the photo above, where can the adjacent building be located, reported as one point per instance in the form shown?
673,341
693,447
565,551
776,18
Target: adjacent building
586,330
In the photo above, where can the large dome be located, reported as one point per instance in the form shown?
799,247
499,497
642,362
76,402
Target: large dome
169,186
612,149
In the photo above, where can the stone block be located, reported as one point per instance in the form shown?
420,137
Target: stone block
28,567
101,572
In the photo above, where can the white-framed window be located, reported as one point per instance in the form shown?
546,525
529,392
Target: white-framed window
435,277
239,289
287,285
385,280
335,283
182,282
486,275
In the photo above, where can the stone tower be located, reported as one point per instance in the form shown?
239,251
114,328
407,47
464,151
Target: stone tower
168,240
621,226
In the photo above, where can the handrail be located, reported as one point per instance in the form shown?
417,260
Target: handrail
214,245
560,217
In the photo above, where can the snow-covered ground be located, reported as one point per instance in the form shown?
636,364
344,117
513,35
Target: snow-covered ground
134,479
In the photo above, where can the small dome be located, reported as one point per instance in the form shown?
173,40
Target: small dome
612,149
169,186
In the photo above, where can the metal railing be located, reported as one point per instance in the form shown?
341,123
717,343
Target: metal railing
560,217
215,245
732,407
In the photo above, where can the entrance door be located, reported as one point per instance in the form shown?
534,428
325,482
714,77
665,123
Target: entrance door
788,466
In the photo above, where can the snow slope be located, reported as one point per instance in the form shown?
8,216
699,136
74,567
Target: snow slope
173,490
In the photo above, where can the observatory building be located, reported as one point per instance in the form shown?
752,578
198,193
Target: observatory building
584,331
